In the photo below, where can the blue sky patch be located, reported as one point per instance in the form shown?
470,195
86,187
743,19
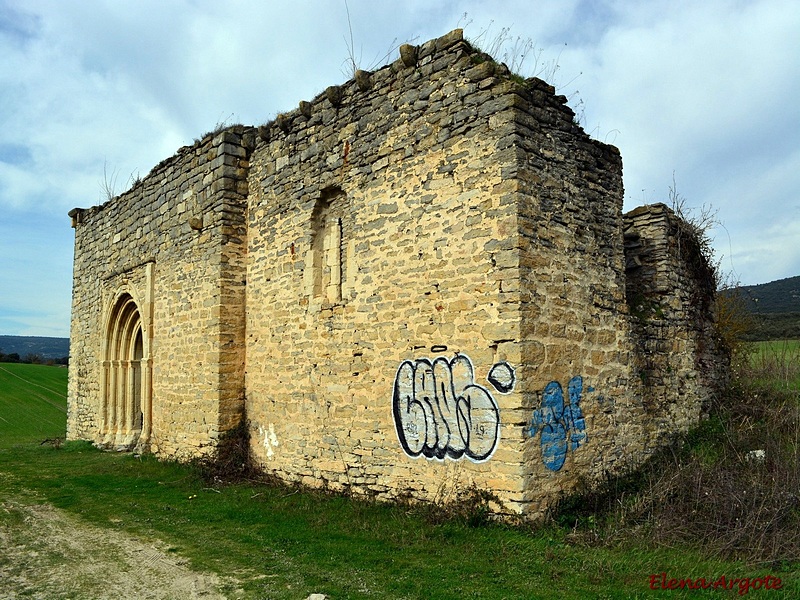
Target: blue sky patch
15,154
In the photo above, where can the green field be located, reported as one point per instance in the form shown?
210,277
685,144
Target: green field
777,348
281,542
778,361
33,402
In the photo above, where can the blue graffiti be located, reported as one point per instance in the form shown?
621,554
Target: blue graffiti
556,421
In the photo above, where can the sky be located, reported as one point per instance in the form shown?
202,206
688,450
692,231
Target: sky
700,98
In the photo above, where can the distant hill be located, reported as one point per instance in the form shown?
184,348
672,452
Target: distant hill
782,296
45,347
775,307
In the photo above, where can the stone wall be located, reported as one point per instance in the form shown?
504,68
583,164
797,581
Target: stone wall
580,419
670,290
411,285
185,223
414,154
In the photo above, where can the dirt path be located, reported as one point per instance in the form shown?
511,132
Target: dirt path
47,553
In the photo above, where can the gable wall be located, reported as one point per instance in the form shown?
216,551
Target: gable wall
188,284
417,158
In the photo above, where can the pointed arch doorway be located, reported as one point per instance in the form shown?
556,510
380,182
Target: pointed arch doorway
127,377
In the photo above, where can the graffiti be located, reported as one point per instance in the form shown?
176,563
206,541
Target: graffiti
440,411
502,377
561,426
270,439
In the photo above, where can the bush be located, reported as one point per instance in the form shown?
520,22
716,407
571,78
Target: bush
231,461
471,507
731,487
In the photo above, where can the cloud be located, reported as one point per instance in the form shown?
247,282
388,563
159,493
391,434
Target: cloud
125,85
702,90
17,24
773,252
692,80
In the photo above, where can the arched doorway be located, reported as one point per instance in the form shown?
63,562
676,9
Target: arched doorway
127,377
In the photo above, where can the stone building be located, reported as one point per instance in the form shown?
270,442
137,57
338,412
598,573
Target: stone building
418,282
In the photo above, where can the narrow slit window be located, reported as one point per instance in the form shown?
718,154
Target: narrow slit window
329,246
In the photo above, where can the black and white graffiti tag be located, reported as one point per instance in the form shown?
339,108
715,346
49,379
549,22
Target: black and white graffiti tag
440,411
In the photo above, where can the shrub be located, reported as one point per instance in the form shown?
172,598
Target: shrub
231,461
731,487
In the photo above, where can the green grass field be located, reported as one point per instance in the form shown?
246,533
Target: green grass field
778,361
789,349
33,402
281,542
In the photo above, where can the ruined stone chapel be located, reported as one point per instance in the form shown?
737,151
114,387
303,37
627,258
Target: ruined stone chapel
417,283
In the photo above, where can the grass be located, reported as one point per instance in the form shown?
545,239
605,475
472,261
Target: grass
33,402
282,542
777,362
731,486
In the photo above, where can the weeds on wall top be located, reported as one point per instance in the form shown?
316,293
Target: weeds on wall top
515,51
694,238
699,223
354,61
732,319
525,59
222,125
108,185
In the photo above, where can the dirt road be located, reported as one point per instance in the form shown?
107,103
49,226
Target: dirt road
47,553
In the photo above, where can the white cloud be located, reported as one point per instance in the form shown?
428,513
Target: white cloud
773,252
703,89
